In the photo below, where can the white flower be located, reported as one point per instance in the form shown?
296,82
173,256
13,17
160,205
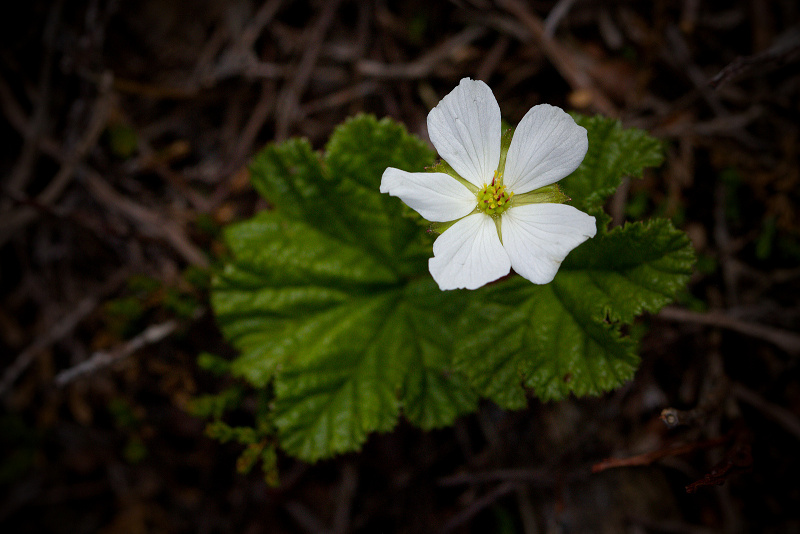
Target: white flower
496,227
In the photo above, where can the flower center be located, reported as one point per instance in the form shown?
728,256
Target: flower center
493,199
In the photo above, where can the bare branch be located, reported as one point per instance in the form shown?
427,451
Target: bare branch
786,340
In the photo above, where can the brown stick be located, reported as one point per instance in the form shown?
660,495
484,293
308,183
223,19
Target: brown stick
567,63
778,414
99,360
786,50
15,220
783,339
289,98
150,221
59,330
479,504
650,457
424,65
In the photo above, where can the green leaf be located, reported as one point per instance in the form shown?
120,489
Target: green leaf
637,268
357,154
324,297
384,352
565,337
433,394
329,301
284,274
338,193
291,178
216,405
362,147
613,153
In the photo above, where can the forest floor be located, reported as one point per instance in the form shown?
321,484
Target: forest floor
129,127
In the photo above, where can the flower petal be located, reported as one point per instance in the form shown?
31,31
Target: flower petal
465,129
547,146
537,237
469,254
434,195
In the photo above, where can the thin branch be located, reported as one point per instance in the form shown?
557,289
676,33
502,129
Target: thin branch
150,221
287,106
680,57
786,50
493,57
263,109
505,475
22,169
788,341
426,64
339,98
263,16
70,164
100,360
648,458
556,15
344,499
99,117
785,418
305,518
570,64
479,504
56,332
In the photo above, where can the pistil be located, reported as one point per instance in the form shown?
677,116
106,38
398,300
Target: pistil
493,199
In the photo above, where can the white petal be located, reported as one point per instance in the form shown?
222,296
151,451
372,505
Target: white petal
537,237
547,146
465,129
434,195
469,254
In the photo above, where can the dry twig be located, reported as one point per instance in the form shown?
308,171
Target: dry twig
287,106
556,15
57,332
66,325
479,504
648,458
788,341
785,418
148,220
570,64
506,475
424,65
96,125
20,175
785,50
100,360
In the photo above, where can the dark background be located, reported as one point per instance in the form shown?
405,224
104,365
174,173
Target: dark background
127,127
